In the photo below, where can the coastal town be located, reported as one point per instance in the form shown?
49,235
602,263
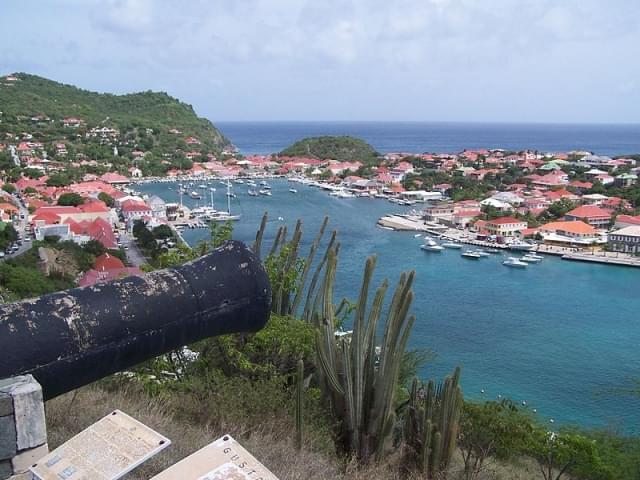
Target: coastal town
72,180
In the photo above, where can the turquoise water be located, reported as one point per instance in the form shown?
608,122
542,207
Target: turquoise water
562,336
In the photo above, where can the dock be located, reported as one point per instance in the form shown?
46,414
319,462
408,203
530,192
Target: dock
608,258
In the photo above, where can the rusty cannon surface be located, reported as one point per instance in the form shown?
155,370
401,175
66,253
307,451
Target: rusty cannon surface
71,338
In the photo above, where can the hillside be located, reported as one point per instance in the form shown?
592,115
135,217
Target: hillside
341,148
31,99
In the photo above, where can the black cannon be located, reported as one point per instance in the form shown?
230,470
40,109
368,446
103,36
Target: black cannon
71,338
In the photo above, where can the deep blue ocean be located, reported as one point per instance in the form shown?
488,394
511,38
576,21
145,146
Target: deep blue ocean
562,336
418,137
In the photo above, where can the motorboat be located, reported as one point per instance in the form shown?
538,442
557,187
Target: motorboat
513,262
431,246
452,245
203,186
530,259
345,194
521,246
195,195
482,253
470,254
252,193
293,190
534,256
265,192
491,250
239,180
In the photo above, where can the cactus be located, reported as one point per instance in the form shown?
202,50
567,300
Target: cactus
289,272
359,384
431,424
299,403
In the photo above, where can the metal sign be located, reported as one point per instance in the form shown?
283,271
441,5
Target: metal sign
224,459
107,450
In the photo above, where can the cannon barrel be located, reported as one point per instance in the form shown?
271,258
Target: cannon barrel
71,338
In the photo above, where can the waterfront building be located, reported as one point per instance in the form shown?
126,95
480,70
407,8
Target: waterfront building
158,207
593,215
571,234
505,226
626,221
626,240
440,212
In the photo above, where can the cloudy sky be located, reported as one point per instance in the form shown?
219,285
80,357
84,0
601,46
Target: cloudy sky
448,60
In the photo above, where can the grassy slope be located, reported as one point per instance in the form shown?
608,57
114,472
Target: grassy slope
33,95
269,438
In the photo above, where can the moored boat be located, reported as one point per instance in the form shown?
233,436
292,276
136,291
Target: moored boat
430,245
452,245
513,262
470,255
530,259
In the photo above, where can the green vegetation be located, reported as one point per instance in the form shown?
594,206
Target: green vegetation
353,406
70,199
7,187
341,148
8,235
27,276
107,199
33,95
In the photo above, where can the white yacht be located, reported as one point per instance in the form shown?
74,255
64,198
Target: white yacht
470,254
521,246
293,190
529,259
264,191
513,262
482,253
454,245
431,246
252,193
345,194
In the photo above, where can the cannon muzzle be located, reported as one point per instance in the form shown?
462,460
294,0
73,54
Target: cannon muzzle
71,338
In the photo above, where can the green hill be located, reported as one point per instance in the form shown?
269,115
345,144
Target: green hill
341,148
30,96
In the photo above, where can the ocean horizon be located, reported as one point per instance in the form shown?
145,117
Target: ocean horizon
265,137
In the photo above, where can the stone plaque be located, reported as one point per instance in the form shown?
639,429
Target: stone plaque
224,459
107,450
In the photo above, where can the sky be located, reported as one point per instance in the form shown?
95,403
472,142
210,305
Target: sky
556,61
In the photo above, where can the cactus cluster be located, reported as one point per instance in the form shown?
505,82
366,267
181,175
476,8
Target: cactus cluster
431,424
357,378
289,272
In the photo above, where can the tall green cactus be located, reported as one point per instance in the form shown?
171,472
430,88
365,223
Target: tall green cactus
288,272
359,382
299,402
431,424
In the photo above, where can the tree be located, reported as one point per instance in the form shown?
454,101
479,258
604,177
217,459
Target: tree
107,199
70,199
94,247
9,188
561,454
162,231
491,429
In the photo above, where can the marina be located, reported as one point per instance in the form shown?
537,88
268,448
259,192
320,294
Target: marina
510,332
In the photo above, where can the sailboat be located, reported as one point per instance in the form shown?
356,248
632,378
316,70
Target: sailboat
221,216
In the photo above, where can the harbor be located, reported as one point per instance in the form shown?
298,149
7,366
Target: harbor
508,317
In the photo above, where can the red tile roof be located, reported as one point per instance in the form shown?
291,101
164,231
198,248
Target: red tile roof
589,211
107,262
